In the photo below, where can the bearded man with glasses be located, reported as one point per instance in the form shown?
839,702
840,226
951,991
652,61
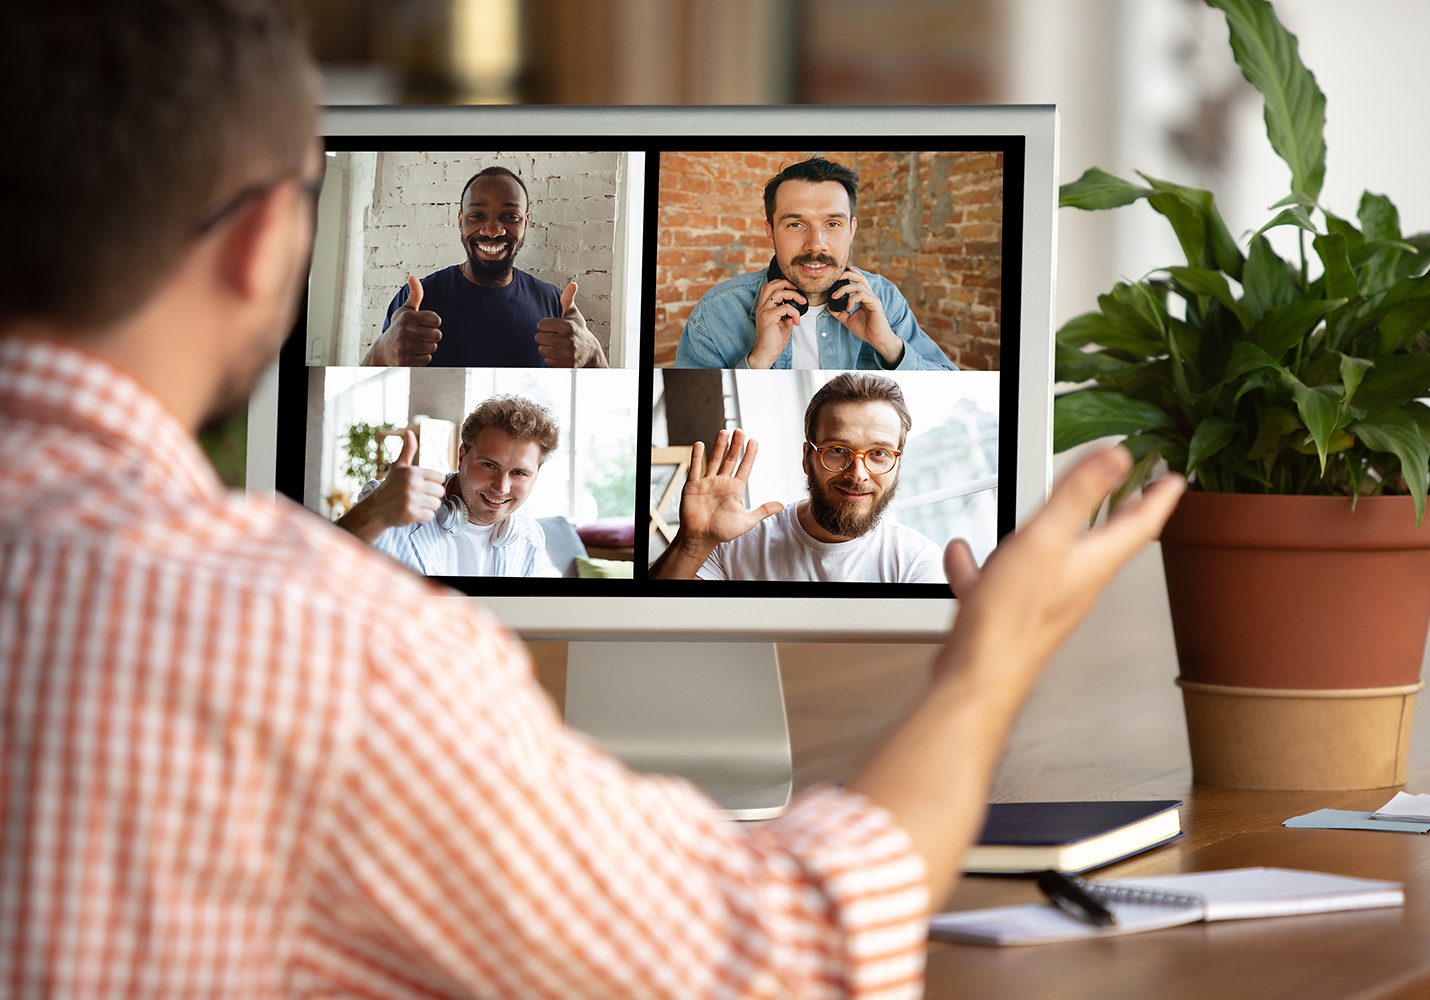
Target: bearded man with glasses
854,429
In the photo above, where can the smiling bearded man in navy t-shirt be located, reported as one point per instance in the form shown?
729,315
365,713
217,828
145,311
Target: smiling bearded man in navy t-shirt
483,312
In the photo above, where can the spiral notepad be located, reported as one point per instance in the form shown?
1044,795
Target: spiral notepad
1155,902
1137,895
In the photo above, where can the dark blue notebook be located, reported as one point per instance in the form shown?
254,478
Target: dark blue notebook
1021,837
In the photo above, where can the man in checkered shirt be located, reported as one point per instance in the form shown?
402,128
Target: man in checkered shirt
244,756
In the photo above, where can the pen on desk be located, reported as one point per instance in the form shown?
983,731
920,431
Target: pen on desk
1067,895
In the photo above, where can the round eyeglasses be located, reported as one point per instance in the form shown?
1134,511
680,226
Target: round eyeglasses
838,457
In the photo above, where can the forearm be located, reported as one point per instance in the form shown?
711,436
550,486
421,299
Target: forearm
933,773
364,521
681,559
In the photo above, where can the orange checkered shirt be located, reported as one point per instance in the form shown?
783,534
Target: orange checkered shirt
243,756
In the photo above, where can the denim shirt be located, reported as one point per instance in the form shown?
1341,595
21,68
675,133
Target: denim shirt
721,332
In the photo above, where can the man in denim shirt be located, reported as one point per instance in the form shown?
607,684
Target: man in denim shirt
793,321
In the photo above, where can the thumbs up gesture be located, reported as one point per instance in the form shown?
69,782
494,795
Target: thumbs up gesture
409,494
411,336
565,341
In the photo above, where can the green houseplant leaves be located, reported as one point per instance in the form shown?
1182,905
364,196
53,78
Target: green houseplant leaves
1247,372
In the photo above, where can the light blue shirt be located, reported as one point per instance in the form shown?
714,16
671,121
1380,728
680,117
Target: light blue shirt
518,548
721,332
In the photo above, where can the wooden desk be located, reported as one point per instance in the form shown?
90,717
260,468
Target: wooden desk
1106,723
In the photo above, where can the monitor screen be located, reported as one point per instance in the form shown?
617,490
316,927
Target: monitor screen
546,315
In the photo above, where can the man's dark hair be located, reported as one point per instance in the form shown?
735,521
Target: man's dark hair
128,123
814,169
498,172
849,387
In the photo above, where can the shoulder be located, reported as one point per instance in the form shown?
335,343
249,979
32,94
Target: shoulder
883,287
743,289
534,285
914,549
524,529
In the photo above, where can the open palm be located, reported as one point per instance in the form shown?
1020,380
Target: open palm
712,504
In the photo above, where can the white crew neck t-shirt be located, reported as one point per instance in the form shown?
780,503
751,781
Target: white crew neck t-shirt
779,549
806,340
472,550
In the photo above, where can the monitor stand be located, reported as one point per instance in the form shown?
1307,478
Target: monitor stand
712,712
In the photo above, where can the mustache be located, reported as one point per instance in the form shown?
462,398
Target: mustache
815,258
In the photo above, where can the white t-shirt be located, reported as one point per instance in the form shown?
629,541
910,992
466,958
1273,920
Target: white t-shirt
778,548
806,340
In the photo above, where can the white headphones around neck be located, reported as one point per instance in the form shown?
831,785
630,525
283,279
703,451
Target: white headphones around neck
451,515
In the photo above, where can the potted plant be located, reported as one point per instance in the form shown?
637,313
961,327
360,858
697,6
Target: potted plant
1290,393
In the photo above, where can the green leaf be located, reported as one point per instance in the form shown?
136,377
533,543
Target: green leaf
1138,316
1267,281
1340,278
1268,379
1352,373
1198,225
1319,407
1173,450
1417,258
1246,358
1295,199
1420,413
1295,107
1277,425
1401,311
1097,189
1381,224
1136,479
1210,437
1293,216
1283,327
1204,281
1395,380
1398,433
1379,219
1088,414
1071,364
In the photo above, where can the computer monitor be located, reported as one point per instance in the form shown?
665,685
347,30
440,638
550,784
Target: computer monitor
659,217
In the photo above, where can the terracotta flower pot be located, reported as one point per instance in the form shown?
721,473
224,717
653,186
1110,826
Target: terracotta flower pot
1300,630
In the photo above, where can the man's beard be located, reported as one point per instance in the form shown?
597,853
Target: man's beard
797,278
491,272
836,516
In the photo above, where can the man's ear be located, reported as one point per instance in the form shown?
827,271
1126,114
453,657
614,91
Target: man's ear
853,225
804,458
770,234
258,248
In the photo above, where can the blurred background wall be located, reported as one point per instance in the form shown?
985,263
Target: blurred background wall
1140,84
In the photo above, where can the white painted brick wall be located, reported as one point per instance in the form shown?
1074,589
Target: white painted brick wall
411,227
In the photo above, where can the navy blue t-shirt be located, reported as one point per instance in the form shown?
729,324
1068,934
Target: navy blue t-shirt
485,327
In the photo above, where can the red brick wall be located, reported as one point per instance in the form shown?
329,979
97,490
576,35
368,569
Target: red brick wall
929,222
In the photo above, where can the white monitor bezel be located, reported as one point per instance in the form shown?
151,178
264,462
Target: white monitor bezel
791,619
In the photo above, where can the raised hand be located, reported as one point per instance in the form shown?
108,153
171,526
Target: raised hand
775,320
864,316
412,335
712,505
409,494
1040,583
565,341
1034,590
